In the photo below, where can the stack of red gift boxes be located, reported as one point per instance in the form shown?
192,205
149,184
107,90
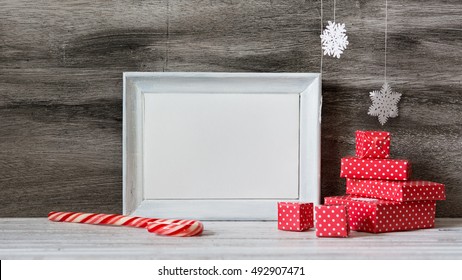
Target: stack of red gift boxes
380,195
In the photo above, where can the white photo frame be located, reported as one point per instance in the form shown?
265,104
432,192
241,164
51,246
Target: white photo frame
168,170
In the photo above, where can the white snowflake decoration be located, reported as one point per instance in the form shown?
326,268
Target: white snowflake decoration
334,40
384,103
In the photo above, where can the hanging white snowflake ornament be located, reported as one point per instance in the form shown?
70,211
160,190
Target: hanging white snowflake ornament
384,103
334,39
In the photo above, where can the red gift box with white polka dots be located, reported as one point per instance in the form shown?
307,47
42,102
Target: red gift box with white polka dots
295,216
376,216
332,221
382,169
396,190
372,144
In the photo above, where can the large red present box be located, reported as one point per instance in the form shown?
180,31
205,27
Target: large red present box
382,169
295,216
332,221
396,190
372,144
376,216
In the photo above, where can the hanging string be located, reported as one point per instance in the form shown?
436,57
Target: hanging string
386,32
334,10
322,54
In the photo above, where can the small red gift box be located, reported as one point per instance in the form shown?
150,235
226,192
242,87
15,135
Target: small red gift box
332,221
372,144
376,216
384,169
396,190
295,216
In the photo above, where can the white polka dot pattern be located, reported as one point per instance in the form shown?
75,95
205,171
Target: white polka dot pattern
372,144
396,190
295,216
382,169
332,221
378,216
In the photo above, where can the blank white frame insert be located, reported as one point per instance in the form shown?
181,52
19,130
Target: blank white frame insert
221,146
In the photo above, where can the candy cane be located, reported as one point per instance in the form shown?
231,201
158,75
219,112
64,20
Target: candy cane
176,227
167,227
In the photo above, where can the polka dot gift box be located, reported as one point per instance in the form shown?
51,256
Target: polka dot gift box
381,196
376,216
372,144
396,190
382,169
332,221
295,216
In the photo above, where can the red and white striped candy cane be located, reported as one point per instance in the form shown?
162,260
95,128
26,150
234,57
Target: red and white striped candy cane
176,227
167,227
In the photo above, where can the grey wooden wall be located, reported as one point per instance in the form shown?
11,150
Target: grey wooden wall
62,63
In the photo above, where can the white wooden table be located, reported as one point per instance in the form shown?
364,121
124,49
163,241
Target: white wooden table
28,238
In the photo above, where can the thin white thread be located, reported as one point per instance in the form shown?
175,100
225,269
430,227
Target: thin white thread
334,10
386,32
322,54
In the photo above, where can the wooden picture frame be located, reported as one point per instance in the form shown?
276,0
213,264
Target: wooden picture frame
276,106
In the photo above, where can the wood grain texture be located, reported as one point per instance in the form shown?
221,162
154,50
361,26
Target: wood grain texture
62,64
61,101
37,238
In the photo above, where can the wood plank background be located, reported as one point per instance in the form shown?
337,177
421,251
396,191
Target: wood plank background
61,83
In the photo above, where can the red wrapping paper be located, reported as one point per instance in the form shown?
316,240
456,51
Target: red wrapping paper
382,169
332,221
372,144
295,216
396,190
377,216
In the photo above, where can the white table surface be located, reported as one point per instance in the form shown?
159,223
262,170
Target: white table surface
37,238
